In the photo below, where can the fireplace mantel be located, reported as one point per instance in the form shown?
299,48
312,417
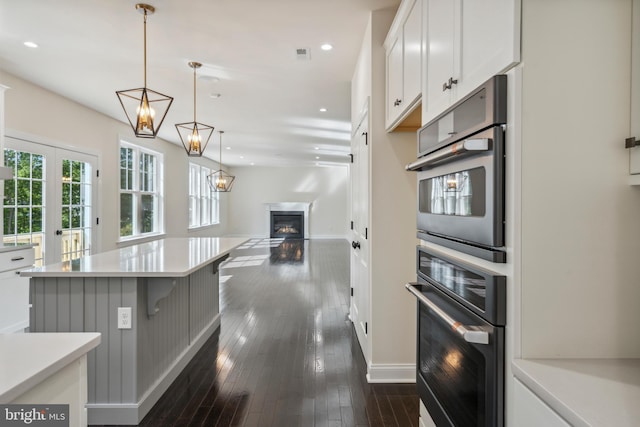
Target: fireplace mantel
288,206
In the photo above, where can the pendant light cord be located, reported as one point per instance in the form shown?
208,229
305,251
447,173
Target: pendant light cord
220,150
194,94
145,48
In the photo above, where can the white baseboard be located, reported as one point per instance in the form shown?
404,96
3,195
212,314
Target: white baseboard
392,373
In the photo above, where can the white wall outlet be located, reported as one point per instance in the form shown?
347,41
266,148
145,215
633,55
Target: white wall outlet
124,318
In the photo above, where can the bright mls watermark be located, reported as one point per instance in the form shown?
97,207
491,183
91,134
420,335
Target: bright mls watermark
34,415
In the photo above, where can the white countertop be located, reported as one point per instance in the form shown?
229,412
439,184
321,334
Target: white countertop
586,392
172,257
10,247
28,359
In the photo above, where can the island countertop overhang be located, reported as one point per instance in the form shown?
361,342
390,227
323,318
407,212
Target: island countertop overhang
169,257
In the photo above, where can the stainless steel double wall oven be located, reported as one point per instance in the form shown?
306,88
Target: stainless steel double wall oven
461,306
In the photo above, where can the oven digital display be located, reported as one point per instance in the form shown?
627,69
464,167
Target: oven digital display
468,285
460,194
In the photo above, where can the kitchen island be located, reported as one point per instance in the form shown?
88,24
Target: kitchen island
155,305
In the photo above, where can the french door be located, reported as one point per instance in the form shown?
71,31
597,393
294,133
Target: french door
51,201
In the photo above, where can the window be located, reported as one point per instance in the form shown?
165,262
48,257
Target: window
24,203
203,203
140,192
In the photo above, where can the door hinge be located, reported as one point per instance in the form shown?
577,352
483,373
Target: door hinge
631,142
366,233
97,221
352,225
352,291
351,156
366,328
97,173
366,138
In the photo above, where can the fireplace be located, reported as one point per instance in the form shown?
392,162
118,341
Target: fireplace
286,208
287,224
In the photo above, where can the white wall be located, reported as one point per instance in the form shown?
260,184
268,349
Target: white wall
32,110
325,187
581,228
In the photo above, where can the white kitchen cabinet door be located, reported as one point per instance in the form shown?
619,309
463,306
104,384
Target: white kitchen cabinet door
441,27
530,411
634,153
468,42
14,290
394,81
412,60
404,49
489,41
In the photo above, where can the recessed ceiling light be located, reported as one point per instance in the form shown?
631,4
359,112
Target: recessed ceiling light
30,44
316,148
323,110
317,157
215,95
326,46
252,163
228,148
242,157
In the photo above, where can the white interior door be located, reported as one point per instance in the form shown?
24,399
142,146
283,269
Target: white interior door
51,201
360,236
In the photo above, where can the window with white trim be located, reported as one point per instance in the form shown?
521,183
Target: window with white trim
203,203
141,192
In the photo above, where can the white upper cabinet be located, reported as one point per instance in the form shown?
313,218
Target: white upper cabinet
404,50
468,42
634,153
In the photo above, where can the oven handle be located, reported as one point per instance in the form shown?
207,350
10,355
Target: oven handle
461,147
472,334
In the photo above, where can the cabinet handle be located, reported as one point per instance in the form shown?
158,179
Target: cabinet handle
449,84
397,102
18,258
631,142
18,273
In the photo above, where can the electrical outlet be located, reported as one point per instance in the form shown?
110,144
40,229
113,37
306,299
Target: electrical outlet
124,317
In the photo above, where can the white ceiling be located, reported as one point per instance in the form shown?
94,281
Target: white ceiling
270,100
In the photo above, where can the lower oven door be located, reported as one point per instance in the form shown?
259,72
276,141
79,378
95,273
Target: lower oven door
460,382
463,198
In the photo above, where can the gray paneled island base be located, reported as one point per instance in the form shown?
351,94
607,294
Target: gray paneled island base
172,288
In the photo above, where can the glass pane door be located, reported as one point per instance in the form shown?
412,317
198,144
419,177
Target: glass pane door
75,227
24,203
51,202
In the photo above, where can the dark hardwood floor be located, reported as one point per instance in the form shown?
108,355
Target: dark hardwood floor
286,353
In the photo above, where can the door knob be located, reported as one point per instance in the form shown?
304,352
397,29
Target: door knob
58,232
356,245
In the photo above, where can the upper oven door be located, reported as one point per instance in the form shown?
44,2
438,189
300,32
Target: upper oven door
462,195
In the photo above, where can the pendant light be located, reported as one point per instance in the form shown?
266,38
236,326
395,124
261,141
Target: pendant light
145,108
194,136
220,181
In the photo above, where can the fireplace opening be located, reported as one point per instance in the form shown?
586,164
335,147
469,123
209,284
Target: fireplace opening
287,224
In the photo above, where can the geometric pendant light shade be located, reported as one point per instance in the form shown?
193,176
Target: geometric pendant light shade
145,108
194,136
220,181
